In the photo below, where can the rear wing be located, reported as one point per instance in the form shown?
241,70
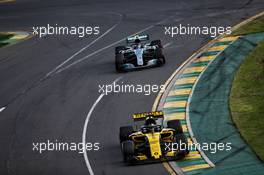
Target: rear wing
144,115
132,39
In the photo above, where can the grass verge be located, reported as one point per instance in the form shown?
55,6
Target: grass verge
255,26
247,94
247,100
3,38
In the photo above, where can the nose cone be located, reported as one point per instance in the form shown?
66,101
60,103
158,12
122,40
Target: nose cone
139,54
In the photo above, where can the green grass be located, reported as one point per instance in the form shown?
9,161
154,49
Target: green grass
3,44
255,26
3,38
247,100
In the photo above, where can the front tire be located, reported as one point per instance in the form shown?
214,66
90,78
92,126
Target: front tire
119,61
128,149
182,142
162,60
159,55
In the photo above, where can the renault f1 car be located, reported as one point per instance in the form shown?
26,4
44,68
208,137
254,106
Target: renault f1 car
138,53
152,142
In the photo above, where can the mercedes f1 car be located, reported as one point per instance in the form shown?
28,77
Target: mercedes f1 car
139,53
152,142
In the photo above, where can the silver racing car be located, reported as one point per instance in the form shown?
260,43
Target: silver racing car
139,53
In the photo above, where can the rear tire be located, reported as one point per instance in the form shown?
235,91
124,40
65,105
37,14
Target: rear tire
176,125
119,48
124,133
156,42
119,60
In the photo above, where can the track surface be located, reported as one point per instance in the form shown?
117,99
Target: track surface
56,107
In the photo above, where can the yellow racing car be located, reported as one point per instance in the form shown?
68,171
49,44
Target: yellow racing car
152,142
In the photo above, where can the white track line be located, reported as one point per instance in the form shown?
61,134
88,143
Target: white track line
85,129
2,109
87,162
167,44
87,46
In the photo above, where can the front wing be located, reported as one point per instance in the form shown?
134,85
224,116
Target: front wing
130,66
142,159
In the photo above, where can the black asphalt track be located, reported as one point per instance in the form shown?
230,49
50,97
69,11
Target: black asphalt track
41,108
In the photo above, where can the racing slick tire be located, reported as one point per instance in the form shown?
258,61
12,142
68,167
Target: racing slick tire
156,42
128,149
119,60
119,48
161,58
124,133
176,125
182,143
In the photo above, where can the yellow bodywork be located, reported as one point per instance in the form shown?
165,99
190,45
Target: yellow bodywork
142,157
154,143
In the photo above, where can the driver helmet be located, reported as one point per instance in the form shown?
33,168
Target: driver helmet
137,41
150,121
